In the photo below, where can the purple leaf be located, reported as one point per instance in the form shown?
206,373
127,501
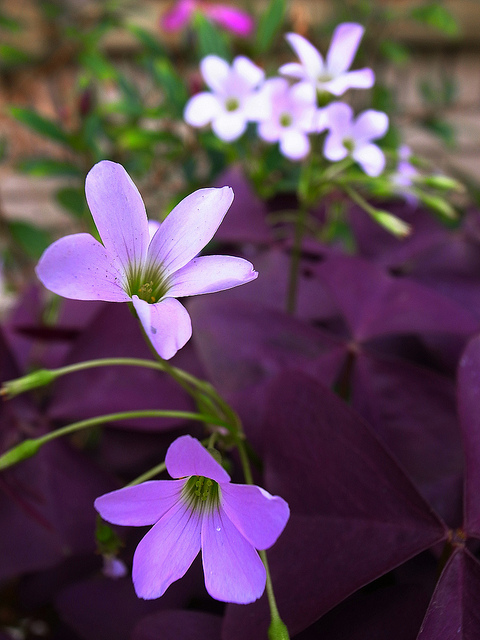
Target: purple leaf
453,611
179,625
355,515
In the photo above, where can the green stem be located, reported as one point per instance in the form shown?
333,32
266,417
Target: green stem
277,629
151,473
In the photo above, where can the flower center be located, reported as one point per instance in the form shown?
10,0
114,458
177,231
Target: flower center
349,144
232,104
201,494
149,284
285,120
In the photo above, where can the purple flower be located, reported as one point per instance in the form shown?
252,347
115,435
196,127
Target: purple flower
292,115
331,75
353,137
131,266
230,18
233,101
201,510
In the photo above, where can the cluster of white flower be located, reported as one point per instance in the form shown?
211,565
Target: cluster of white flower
289,110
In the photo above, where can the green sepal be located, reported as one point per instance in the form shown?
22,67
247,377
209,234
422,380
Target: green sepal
22,451
39,378
278,630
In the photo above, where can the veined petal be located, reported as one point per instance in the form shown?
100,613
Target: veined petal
310,57
215,72
188,228
233,569
208,274
79,267
119,213
370,125
186,456
229,125
166,323
166,552
360,79
370,158
294,144
343,47
259,516
140,505
248,71
202,109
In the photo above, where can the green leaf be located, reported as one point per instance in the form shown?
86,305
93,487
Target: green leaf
13,55
32,240
73,200
395,52
270,25
138,139
43,167
39,124
436,15
148,40
210,40
175,90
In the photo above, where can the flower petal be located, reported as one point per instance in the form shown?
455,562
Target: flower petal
215,72
233,569
166,323
310,57
229,125
370,158
209,274
293,70
343,47
166,552
370,125
360,79
187,457
232,19
339,116
79,267
259,516
201,109
334,149
188,228
294,144
248,71
178,16
140,505
119,213
270,131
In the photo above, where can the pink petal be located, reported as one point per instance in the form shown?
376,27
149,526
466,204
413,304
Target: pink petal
215,72
166,323
334,149
187,457
233,569
79,267
119,213
178,16
229,126
234,20
310,57
294,145
166,552
360,79
343,47
370,125
248,71
189,227
259,516
293,70
270,131
209,274
339,116
202,109
140,505
370,158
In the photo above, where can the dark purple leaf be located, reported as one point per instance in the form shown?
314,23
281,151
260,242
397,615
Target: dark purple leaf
453,611
354,514
179,625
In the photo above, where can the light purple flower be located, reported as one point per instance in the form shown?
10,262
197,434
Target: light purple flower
232,102
230,18
292,114
352,137
331,75
113,567
131,266
201,510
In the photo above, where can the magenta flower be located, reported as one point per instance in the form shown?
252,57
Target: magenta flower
230,18
331,75
349,137
130,266
201,510
233,100
292,114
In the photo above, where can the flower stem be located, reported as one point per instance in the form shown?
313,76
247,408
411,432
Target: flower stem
277,629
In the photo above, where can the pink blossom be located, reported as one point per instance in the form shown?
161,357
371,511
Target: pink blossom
331,75
200,511
230,18
132,266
